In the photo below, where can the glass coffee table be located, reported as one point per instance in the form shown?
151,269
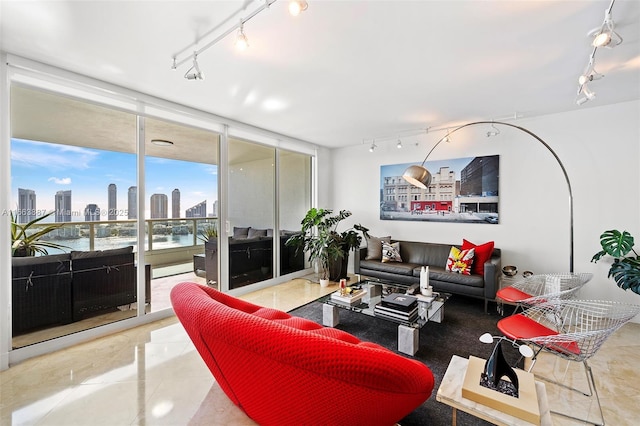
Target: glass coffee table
429,309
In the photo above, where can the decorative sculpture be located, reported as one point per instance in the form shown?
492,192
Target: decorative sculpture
495,369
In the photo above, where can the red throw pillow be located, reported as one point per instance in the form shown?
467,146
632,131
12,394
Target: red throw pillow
483,253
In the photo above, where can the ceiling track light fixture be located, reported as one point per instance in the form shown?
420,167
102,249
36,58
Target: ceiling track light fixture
399,144
242,42
194,72
494,132
603,36
447,139
223,30
373,146
297,6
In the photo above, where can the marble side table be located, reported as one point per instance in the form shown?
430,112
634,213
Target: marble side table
450,393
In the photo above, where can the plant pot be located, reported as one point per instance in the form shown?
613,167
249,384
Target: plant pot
338,268
324,283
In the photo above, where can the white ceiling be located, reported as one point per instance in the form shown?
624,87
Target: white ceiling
343,71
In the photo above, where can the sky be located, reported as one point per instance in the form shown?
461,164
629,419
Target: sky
47,168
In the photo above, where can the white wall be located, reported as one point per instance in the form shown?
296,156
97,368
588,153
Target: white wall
600,149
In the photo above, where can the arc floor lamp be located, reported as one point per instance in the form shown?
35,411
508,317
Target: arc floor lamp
421,177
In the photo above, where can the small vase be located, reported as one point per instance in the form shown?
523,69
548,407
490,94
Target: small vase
324,283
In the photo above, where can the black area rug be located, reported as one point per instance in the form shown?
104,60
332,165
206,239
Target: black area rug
464,322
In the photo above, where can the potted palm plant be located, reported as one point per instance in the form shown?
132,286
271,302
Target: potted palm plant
324,244
26,240
625,269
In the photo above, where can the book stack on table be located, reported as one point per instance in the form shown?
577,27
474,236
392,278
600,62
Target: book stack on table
352,297
398,306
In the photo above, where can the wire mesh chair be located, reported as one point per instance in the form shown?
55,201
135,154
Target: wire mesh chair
571,329
536,289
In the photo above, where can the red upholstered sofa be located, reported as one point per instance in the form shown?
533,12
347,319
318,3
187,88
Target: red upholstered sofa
285,370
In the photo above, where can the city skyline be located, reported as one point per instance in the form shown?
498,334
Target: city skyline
47,168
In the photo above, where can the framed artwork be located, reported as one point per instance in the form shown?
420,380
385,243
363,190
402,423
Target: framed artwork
461,190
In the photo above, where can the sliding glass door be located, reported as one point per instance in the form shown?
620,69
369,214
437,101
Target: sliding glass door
181,199
251,212
74,247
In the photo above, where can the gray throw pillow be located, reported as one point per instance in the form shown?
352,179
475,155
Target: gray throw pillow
256,233
374,247
240,232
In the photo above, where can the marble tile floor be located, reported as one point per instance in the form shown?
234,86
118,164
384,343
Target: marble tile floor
152,375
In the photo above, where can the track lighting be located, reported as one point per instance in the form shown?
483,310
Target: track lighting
373,146
587,95
210,38
399,144
605,36
589,75
447,139
241,39
494,132
194,72
297,6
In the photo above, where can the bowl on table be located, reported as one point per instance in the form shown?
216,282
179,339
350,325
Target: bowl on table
510,270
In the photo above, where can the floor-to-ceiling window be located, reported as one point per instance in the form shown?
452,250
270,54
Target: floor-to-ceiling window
181,190
251,212
71,164
294,200
138,183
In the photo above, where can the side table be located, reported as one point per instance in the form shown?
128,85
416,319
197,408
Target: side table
450,393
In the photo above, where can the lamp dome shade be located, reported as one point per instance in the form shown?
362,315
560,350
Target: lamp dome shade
418,176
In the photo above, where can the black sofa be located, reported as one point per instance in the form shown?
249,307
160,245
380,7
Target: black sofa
63,288
417,254
102,280
251,259
41,291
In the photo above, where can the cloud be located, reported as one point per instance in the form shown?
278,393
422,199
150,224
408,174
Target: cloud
60,181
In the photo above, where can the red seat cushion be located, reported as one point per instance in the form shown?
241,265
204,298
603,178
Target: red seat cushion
520,327
512,295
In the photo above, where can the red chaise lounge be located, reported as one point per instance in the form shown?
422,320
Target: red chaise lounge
285,370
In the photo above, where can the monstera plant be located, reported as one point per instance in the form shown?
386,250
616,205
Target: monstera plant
625,269
26,239
322,242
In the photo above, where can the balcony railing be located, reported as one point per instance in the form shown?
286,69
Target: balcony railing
167,241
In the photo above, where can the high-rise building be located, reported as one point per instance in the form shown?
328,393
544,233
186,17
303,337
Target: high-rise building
63,206
26,205
132,203
159,206
175,203
92,213
112,203
199,210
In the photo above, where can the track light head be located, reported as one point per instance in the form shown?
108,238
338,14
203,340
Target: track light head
194,72
297,6
589,75
399,144
242,42
494,132
587,95
372,147
605,36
